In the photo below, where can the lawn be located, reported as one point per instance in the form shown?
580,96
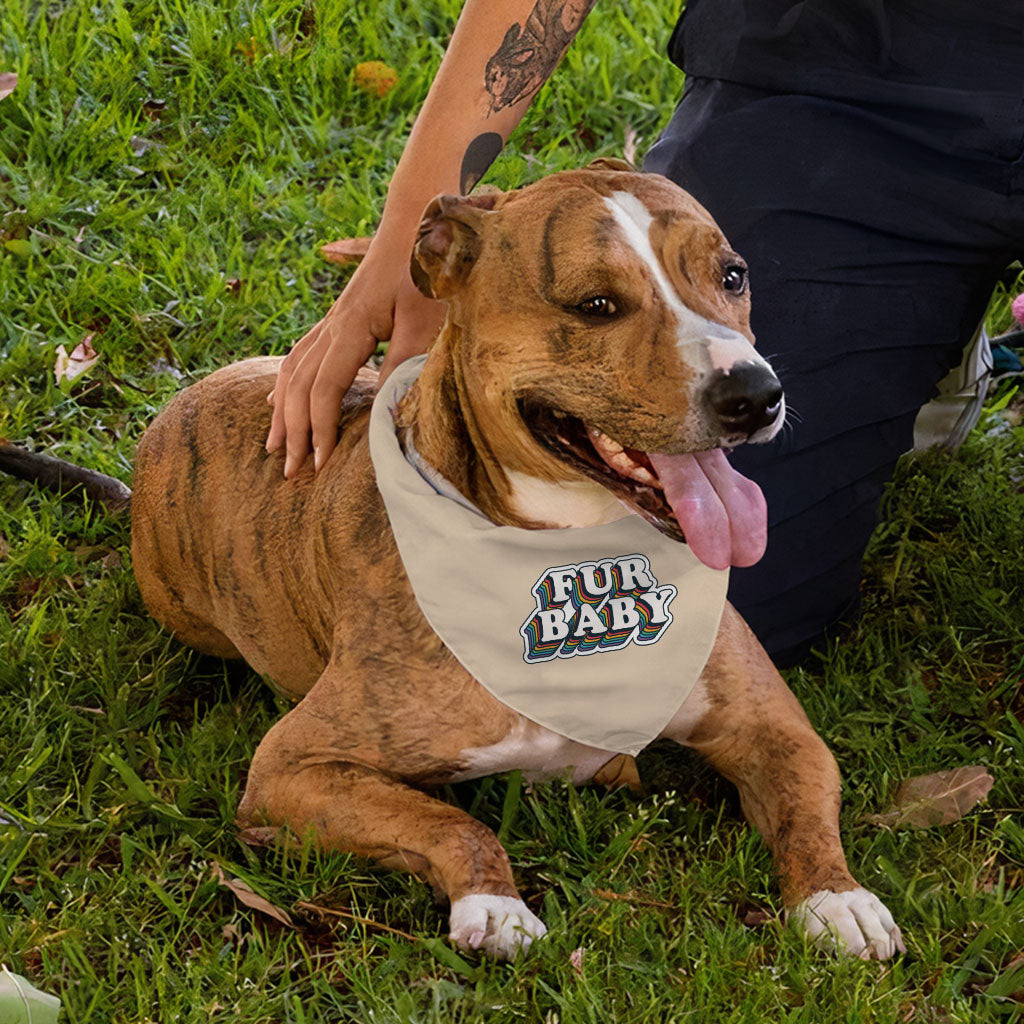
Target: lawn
168,169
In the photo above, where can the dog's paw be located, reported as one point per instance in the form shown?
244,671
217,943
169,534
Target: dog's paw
501,926
855,922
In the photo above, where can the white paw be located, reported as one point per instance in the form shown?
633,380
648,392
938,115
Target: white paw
501,926
855,922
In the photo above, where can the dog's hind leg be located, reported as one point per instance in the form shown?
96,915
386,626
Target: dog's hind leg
353,807
751,728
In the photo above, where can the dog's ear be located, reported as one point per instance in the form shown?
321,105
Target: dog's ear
449,242
610,163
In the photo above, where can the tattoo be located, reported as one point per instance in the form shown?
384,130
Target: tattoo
480,154
529,52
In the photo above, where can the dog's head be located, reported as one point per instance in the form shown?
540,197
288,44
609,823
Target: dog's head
600,323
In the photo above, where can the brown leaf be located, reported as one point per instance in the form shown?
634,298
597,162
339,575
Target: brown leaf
8,81
244,894
576,961
112,560
68,367
374,76
346,250
259,835
86,553
232,286
936,799
4,547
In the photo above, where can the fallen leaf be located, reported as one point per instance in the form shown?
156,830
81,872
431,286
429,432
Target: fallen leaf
249,50
755,917
936,799
346,250
576,961
375,76
68,367
233,285
22,1003
4,547
259,835
152,108
112,560
244,894
86,553
8,81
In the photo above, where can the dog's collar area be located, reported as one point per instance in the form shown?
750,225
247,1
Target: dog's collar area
441,484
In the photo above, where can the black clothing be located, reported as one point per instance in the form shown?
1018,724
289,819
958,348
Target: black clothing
904,51
874,232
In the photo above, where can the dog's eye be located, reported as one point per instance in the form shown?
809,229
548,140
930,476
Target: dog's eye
597,305
734,278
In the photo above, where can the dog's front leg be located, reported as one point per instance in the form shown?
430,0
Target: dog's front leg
745,720
300,780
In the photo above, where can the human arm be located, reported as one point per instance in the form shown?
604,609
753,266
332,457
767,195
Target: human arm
499,56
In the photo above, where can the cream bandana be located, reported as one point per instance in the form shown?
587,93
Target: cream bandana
598,633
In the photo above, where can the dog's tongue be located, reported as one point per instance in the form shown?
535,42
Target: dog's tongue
723,514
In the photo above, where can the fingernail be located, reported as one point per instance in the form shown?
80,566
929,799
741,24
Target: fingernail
317,460
270,398
289,466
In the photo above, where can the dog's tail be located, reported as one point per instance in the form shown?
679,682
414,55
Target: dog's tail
62,477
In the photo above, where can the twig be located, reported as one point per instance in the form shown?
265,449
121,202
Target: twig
62,477
348,915
607,894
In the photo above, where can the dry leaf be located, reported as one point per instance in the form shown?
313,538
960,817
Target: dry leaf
259,835
755,917
68,367
936,799
112,560
374,76
249,50
232,286
244,894
8,80
4,547
346,250
86,553
576,961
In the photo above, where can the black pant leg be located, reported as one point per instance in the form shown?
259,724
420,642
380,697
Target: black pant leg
872,254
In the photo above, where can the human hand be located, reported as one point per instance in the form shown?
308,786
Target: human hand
380,303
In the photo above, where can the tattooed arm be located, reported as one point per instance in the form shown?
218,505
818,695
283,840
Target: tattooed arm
500,54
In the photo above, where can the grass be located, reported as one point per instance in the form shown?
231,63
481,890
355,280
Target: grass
167,169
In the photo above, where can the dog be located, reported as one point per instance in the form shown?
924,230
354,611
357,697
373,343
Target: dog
596,358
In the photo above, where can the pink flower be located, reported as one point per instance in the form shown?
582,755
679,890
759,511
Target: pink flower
1018,308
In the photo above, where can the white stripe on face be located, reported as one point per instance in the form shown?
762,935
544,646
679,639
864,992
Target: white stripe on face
703,344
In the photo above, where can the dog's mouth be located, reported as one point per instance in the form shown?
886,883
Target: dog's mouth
697,497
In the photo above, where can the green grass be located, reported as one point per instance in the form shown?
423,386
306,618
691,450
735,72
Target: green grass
156,150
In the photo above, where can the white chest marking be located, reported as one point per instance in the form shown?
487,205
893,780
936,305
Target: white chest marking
703,344
568,503
538,752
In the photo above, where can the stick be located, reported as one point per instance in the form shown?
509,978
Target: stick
331,912
62,477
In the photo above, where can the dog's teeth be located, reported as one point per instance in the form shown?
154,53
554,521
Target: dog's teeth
603,443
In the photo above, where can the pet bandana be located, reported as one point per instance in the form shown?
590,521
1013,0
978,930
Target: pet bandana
598,633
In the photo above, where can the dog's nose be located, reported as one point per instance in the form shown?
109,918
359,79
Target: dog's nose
745,399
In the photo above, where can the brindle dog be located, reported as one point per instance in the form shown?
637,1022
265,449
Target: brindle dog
572,347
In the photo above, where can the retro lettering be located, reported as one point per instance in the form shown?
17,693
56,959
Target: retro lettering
596,607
